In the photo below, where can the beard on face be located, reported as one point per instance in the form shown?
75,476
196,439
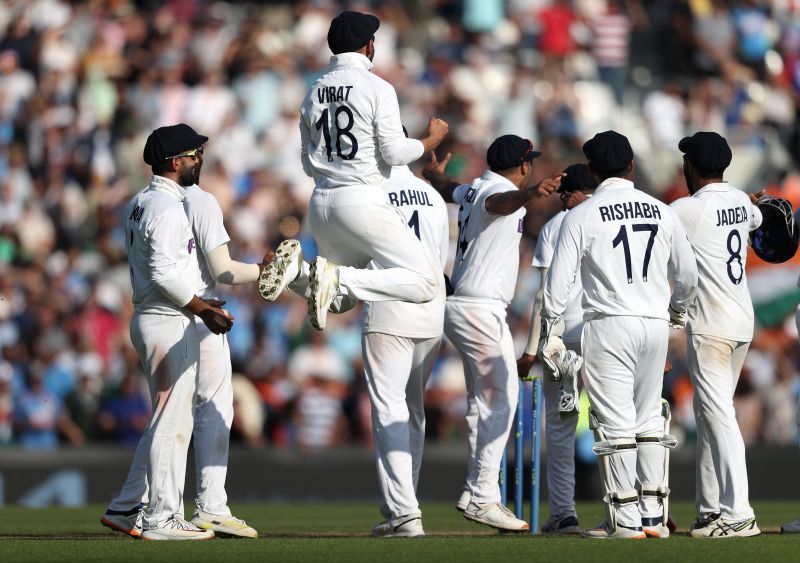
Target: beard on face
190,175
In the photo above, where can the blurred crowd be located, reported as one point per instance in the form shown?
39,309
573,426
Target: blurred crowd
83,83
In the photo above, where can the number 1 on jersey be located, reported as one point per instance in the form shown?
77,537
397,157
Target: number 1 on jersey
622,237
414,223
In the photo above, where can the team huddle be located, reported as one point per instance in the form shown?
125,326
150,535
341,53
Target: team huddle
618,269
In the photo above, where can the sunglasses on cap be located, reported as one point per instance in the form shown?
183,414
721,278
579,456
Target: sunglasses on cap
194,153
528,151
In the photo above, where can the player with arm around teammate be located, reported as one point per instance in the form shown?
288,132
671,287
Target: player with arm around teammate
490,219
165,279
624,245
400,343
718,219
577,185
351,136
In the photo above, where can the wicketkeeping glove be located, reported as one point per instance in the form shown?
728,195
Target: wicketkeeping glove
557,361
677,319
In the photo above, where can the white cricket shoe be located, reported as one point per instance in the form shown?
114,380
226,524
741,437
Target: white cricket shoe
323,279
223,525
496,515
463,501
128,522
558,524
282,271
655,528
604,532
792,527
408,526
721,529
176,528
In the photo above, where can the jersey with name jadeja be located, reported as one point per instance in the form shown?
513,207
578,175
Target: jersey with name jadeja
350,127
205,217
425,213
626,245
160,246
542,258
487,253
718,219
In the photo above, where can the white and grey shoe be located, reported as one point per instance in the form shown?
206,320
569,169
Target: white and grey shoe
408,526
604,532
704,520
223,525
792,527
463,500
560,524
655,527
128,522
495,515
282,271
176,528
323,280
721,528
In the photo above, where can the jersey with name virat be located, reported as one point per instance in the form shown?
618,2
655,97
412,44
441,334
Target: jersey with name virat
161,248
487,252
425,213
625,245
350,127
718,219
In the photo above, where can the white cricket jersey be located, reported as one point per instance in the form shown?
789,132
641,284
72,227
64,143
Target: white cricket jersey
542,258
625,246
425,212
161,248
350,126
487,253
208,227
718,219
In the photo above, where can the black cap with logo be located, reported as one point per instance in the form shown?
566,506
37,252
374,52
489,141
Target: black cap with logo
509,151
169,141
708,151
349,31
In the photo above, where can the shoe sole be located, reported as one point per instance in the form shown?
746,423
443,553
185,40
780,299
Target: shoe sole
179,538
495,526
272,281
226,532
656,535
643,536
314,309
571,531
109,524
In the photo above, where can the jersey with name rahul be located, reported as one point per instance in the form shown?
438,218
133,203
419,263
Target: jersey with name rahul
425,213
625,243
350,127
718,219
487,252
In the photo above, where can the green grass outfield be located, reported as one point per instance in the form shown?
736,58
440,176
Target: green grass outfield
340,532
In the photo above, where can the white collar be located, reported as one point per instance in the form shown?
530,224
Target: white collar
160,182
494,177
715,187
614,184
350,60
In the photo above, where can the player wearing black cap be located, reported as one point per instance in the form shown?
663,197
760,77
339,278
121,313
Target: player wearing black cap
718,218
490,220
165,277
624,245
561,403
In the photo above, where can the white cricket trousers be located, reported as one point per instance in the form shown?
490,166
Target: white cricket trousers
354,225
169,351
623,373
397,369
721,472
560,440
212,423
478,330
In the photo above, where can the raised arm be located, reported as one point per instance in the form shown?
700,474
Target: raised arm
509,202
434,173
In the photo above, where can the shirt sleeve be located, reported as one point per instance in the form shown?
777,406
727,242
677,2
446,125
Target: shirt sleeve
395,148
166,249
305,139
682,268
207,221
755,217
458,193
543,253
444,243
564,267
688,213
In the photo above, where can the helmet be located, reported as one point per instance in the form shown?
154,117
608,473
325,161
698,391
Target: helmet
776,239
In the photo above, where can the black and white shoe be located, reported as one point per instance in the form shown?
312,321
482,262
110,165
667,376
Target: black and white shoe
408,526
561,524
721,528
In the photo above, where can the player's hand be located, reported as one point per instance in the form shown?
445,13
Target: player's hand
754,197
573,199
436,166
214,303
437,127
667,366
677,319
218,321
549,185
524,365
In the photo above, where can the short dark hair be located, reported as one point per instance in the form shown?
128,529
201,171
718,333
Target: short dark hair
606,174
160,167
707,173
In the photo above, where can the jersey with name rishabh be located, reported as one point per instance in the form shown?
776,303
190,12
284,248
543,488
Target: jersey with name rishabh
350,127
718,219
487,252
208,226
425,213
627,244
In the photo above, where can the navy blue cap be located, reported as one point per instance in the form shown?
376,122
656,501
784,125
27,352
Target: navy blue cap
608,151
349,31
578,178
708,151
509,151
169,141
